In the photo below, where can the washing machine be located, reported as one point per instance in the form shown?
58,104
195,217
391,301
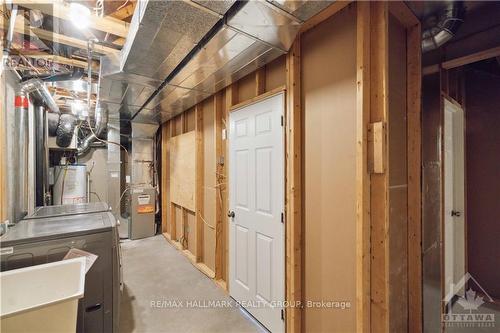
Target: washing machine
47,239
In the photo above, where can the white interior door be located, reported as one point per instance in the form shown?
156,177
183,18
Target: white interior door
454,185
256,183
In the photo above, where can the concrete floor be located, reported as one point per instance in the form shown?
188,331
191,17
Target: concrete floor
154,271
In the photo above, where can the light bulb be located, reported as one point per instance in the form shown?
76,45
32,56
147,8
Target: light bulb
79,15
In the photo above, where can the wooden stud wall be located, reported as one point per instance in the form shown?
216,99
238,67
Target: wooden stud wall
3,148
388,297
208,119
362,174
373,260
293,187
379,205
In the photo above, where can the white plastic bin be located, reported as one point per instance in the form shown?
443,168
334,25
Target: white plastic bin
42,298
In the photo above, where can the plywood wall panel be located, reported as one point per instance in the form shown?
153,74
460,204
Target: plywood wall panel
182,170
329,99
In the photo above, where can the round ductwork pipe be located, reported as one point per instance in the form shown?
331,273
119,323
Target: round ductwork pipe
442,27
65,130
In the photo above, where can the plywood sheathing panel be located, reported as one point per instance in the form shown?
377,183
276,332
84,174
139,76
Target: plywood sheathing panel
182,170
329,102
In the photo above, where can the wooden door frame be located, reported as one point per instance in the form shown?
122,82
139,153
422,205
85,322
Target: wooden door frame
456,104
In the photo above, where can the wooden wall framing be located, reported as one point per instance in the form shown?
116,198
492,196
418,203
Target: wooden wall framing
373,310
208,119
382,305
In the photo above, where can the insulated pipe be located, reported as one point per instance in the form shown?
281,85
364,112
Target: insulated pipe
101,120
76,74
19,156
442,26
36,86
40,170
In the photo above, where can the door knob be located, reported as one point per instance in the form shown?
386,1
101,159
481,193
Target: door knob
455,213
230,214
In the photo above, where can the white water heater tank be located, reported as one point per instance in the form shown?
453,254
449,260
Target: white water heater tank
70,184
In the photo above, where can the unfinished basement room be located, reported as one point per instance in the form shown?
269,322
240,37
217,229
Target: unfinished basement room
245,166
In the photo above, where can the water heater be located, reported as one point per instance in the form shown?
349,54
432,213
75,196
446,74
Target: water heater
70,184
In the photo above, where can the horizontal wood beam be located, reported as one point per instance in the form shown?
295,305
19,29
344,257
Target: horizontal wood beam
21,28
124,12
258,98
62,11
323,15
471,58
62,60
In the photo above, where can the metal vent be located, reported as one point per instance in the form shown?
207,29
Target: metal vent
178,53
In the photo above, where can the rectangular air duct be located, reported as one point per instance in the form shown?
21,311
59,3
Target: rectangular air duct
178,53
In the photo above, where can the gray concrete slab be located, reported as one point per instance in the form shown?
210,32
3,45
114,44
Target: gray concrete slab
164,292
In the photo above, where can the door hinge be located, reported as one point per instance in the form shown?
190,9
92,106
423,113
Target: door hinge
282,218
283,314
282,121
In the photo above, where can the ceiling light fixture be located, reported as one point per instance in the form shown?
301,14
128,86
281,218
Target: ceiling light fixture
79,15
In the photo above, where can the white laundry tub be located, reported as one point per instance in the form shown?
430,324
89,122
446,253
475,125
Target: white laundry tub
42,298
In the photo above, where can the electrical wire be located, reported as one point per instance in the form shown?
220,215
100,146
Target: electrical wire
97,195
63,181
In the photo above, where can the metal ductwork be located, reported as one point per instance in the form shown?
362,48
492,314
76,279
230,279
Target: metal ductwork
101,121
178,53
441,27
65,130
75,74
36,87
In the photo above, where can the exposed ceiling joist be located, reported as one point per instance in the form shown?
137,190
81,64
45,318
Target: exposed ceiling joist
474,57
124,12
61,10
21,28
62,60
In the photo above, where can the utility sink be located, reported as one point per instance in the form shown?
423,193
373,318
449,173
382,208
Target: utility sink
42,298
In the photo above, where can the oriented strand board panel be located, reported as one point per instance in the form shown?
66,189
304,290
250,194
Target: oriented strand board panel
182,170
329,169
